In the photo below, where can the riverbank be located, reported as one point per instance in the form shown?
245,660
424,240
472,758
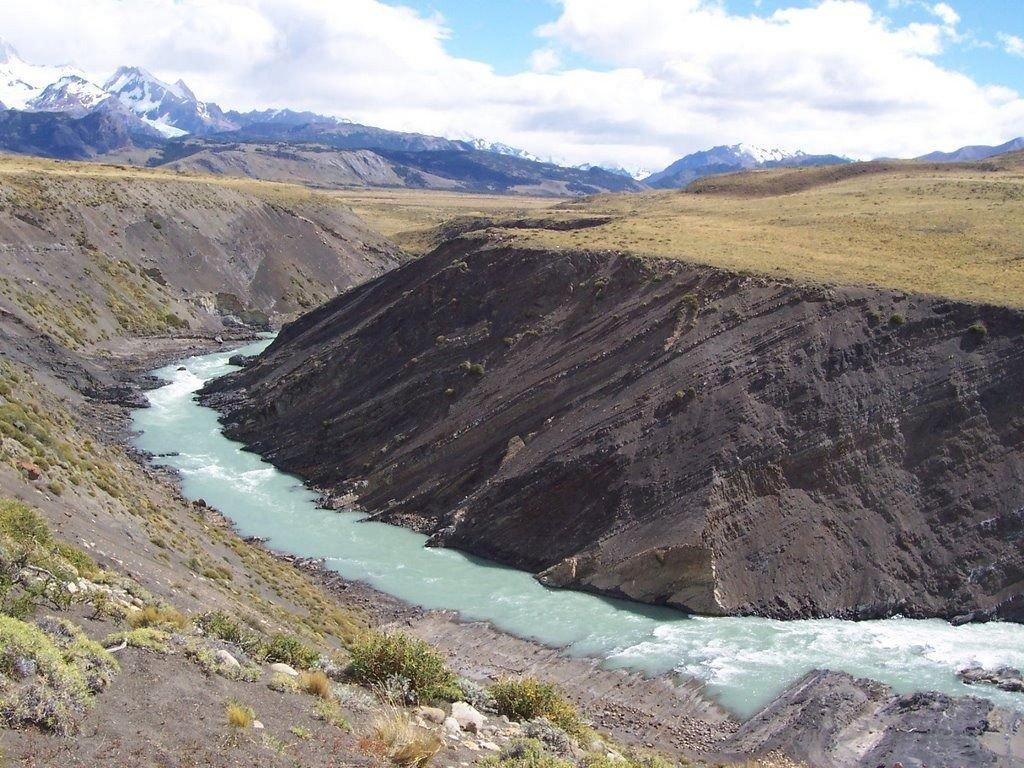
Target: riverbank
670,714
319,525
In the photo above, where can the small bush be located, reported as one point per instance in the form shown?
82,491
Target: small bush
300,732
315,684
329,711
33,565
525,753
477,696
380,656
897,320
979,329
239,715
221,626
290,650
281,682
527,698
146,638
58,669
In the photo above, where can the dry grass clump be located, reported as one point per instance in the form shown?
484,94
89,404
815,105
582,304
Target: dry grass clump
165,617
315,684
238,715
395,736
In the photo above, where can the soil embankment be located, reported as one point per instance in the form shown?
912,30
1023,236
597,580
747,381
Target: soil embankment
669,433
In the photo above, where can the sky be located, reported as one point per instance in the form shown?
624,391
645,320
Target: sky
633,83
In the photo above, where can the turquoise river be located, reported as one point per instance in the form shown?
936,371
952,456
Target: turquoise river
743,661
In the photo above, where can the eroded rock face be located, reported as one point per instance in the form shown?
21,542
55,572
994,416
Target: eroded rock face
674,434
832,719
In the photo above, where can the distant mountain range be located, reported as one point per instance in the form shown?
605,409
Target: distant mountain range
56,111
729,159
979,152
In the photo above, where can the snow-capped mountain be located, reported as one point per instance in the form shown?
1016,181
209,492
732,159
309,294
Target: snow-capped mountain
170,108
283,117
71,94
21,82
637,174
497,148
729,159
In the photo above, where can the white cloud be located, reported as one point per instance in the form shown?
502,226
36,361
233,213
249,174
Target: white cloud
1012,44
671,76
946,13
545,60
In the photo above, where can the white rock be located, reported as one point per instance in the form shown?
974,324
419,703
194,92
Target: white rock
490,745
283,669
257,725
467,717
451,728
225,658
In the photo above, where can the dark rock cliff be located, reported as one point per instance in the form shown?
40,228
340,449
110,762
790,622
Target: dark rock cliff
670,433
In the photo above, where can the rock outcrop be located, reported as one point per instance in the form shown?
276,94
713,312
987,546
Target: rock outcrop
832,719
669,433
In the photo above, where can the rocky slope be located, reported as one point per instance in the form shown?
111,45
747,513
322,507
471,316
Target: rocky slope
331,163
88,253
722,443
833,719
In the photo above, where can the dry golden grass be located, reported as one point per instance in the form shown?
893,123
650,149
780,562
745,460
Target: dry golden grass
405,743
955,231
315,684
239,715
159,618
410,217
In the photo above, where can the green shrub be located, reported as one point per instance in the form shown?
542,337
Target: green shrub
897,320
380,658
979,329
289,650
146,638
33,565
626,761
59,670
223,627
525,753
526,698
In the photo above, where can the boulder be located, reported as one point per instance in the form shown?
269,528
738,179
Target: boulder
226,659
451,728
467,717
432,714
283,669
1004,678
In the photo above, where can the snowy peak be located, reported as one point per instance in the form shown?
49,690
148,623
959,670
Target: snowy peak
72,94
7,52
497,148
172,109
20,82
732,158
761,156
